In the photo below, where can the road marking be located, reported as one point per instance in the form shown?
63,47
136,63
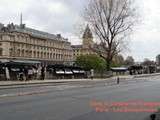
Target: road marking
112,85
59,88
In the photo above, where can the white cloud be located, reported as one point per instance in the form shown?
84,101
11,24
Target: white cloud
73,38
58,8
146,38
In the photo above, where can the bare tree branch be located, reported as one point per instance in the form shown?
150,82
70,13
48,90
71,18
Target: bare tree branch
110,20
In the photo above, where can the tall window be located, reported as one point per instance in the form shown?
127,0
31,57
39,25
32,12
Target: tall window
1,51
22,53
34,54
10,52
38,54
18,52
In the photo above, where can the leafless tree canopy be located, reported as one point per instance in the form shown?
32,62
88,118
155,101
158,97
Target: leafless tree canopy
111,20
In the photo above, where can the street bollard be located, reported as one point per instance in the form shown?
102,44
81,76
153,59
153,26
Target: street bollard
118,80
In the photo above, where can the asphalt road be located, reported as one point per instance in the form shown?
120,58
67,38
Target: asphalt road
73,101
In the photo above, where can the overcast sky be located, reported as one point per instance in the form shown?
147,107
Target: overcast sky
61,16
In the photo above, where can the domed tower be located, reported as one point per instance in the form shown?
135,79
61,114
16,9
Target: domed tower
87,38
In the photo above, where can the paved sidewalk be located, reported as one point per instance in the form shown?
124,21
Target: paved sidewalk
63,81
11,83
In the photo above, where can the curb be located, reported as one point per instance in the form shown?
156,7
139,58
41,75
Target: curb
55,83
43,83
146,75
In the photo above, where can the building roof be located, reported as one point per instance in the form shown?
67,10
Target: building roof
34,32
1,25
76,46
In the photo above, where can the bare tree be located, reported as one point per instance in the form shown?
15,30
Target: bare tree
111,21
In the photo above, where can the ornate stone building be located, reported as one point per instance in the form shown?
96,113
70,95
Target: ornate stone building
18,42
87,44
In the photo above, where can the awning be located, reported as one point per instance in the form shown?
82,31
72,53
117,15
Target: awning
25,61
119,69
4,60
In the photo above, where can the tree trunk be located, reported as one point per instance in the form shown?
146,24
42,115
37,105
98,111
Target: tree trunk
108,64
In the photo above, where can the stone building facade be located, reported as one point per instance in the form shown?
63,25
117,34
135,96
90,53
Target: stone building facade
18,42
87,44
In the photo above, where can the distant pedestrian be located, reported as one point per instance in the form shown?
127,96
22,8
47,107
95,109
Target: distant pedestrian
118,80
43,73
39,73
35,72
7,73
30,73
92,73
26,73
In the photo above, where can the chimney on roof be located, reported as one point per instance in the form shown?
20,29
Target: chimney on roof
59,35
